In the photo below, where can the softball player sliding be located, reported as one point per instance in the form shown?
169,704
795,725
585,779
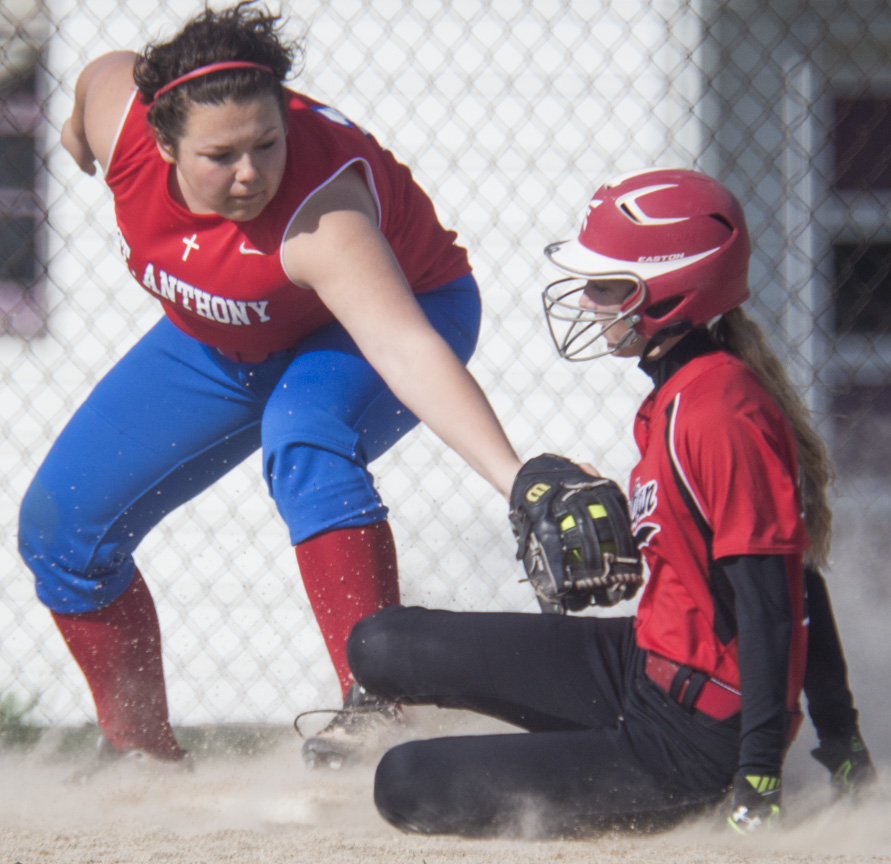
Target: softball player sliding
641,720
309,294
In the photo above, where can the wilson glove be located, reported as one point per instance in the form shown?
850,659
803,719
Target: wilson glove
573,536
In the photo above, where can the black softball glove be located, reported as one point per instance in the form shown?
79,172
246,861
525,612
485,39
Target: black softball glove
573,536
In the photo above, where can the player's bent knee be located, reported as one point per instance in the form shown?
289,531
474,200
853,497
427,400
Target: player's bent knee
317,488
375,648
398,792
417,789
39,526
72,573
401,651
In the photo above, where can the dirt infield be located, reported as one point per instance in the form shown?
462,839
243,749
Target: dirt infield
266,807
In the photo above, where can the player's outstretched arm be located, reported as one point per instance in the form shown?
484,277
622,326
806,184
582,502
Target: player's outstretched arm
336,248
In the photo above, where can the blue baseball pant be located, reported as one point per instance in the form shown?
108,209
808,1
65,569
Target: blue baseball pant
173,416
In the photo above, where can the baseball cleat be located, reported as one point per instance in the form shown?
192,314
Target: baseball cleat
106,757
358,732
853,774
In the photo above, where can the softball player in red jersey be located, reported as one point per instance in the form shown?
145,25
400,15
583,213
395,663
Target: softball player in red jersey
638,721
311,297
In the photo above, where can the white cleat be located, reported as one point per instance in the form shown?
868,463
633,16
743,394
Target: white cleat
359,732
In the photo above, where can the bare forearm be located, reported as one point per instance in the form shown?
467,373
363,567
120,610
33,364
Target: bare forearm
334,248
447,398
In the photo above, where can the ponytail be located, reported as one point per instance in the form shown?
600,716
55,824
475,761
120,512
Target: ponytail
736,333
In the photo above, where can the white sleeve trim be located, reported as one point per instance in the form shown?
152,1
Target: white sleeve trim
369,179
117,134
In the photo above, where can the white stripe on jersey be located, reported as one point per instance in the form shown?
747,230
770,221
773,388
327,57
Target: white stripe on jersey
676,461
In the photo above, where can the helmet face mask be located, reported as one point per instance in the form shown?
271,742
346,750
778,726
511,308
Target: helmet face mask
581,332
678,236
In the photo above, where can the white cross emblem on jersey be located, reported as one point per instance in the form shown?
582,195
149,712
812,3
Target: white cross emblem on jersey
190,245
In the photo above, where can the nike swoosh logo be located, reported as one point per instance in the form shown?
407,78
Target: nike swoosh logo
245,251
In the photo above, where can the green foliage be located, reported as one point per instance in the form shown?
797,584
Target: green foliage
15,729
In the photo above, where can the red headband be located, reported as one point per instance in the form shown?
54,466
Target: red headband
206,70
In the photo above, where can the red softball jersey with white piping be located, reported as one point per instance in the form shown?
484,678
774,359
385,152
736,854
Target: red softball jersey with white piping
223,282
713,430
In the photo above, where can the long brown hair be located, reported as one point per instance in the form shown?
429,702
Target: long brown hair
737,333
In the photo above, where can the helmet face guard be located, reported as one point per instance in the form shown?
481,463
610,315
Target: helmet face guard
679,236
579,332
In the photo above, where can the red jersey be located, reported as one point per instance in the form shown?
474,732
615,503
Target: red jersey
717,477
223,282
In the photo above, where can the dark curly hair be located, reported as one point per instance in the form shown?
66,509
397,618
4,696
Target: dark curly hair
242,32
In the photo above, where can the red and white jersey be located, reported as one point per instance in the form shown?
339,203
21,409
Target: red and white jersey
223,282
718,469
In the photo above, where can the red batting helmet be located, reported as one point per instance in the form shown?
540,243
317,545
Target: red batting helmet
677,239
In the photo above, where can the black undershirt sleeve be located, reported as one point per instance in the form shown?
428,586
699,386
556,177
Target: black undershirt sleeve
765,625
830,702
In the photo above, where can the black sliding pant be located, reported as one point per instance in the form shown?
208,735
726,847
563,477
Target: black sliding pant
605,747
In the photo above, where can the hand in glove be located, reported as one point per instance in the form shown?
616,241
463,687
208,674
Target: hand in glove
756,802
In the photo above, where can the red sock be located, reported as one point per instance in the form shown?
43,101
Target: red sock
118,648
349,573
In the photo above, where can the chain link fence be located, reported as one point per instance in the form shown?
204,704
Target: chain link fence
510,113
